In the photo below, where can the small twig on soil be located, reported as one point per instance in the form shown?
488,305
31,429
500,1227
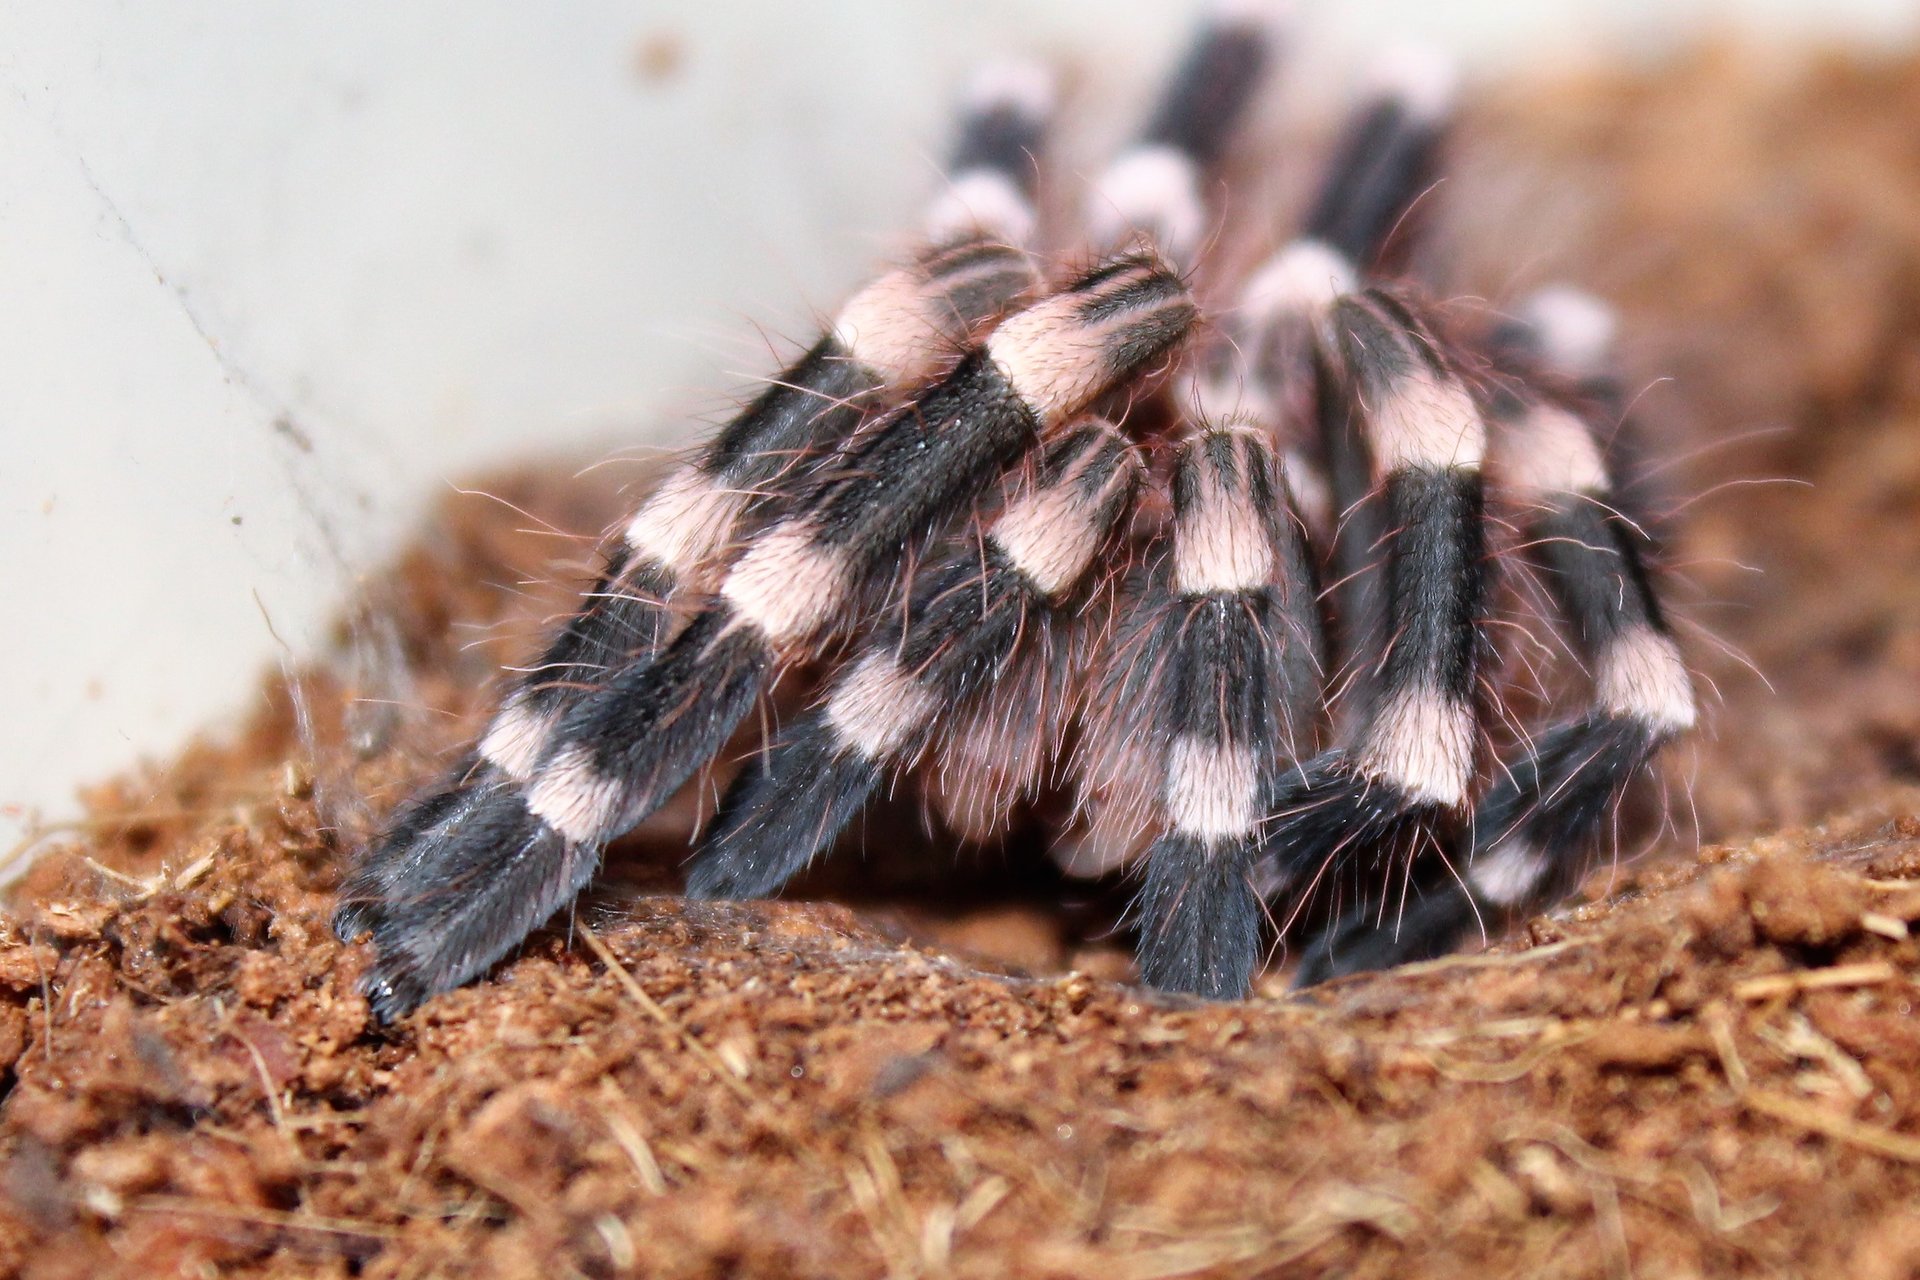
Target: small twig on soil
1220,1249
1335,1209
1559,1036
267,1087
1868,974
46,991
981,1200
1883,1142
146,889
1610,1224
1492,1029
1446,964
193,871
1720,1029
874,1182
274,1218
631,1141
1710,1210
1886,926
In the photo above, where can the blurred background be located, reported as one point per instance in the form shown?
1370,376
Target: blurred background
272,277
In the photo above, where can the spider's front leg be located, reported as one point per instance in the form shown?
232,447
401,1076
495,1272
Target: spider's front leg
514,855
1363,222
898,331
626,748
895,332
893,335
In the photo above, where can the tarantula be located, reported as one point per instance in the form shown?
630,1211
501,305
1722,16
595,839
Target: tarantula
1038,531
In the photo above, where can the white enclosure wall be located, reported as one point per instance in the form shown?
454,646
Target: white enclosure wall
272,274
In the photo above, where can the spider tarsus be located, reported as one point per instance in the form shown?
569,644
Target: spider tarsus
463,889
1539,824
781,812
393,860
1199,917
1532,837
1372,935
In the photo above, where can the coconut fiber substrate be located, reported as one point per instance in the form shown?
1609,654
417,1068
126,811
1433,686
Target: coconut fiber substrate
1707,1065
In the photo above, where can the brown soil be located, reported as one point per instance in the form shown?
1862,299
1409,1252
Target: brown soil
1711,1068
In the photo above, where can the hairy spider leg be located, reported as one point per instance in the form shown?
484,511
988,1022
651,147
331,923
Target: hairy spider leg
1222,656
997,750
891,335
628,747
993,169
692,520
1233,381
894,333
1386,159
969,612
1156,185
623,748
1569,333
1400,788
1549,809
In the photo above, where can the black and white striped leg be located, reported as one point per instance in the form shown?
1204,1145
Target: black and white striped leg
622,749
892,333
993,170
1550,810
889,336
1156,187
1244,379
968,612
1386,159
1400,790
1223,659
468,866
1430,922
1569,333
